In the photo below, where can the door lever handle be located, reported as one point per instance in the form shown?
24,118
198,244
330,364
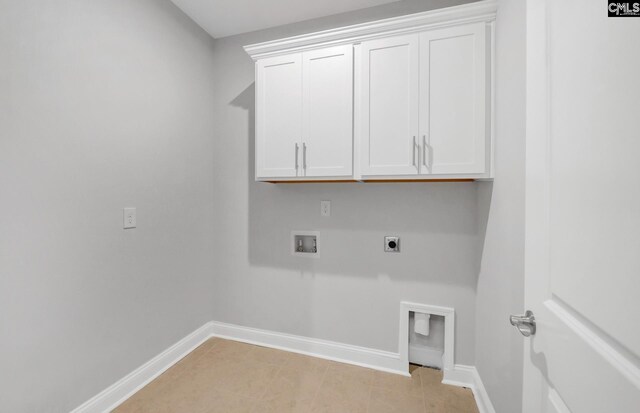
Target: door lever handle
526,324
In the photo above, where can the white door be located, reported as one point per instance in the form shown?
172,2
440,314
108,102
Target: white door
582,262
453,100
389,95
327,126
278,116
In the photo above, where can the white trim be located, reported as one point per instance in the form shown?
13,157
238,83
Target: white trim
124,388
468,376
618,357
480,11
536,220
491,150
459,375
357,110
330,350
556,403
452,374
448,356
480,394
116,394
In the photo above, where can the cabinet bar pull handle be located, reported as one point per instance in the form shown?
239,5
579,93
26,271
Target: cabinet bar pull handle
424,151
304,156
413,156
296,156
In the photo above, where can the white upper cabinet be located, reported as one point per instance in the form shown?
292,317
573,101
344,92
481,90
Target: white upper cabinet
453,136
304,103
278,116
406,98
389,104
423,104
327,125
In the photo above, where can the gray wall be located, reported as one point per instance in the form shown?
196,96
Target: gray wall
111,103
499,347
103,104
352,293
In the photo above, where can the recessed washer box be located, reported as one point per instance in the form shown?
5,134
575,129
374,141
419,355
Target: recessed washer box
305,244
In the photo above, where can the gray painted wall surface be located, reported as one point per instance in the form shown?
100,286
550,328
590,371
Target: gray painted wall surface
104,104
499,347
108,104
352,293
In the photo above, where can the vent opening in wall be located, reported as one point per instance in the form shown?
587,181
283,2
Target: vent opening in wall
435,349
305,243
426,339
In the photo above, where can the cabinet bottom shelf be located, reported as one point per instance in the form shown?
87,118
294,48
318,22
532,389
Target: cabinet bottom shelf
370,181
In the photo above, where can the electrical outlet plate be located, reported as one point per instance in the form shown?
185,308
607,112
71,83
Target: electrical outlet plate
325,208
129,218
391,244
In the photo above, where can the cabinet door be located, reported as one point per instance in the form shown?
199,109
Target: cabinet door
327,127
452,100
278,116
389,106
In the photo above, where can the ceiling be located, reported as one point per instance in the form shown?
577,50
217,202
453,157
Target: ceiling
222,18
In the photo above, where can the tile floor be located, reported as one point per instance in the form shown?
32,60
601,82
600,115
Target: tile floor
227,377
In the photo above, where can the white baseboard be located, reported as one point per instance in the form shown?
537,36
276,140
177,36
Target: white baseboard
110,398
426,356
481,395
120,391
460,375
467,376
330,350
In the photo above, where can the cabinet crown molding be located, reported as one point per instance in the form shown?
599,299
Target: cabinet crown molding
480,11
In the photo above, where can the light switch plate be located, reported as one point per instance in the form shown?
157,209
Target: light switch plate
325,208
129,218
